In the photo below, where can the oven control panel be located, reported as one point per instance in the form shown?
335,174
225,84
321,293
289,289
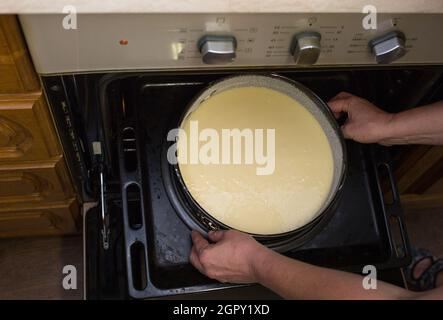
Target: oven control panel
191,41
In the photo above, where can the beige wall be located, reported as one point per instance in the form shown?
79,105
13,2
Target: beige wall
194,6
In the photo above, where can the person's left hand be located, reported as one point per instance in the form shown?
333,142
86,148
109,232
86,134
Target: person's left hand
231,258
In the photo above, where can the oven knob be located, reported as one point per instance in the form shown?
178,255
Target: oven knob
217,49
388,47
305,47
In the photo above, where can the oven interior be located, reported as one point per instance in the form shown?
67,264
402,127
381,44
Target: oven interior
130,115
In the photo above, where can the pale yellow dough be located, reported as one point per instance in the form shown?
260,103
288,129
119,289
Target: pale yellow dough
269,204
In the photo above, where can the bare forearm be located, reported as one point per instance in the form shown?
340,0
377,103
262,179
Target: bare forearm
237,258
293,279
423,125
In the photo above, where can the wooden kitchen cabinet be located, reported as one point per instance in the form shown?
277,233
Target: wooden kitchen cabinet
26,129
17,73
36,193
34,181
45,218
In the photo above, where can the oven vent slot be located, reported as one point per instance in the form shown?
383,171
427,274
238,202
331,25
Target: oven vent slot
133,203
138,263
386,184
397,236
129,149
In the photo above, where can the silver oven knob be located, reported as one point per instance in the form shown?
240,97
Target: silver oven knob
388,47
217,49
305,47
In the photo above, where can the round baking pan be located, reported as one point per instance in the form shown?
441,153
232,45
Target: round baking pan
197,218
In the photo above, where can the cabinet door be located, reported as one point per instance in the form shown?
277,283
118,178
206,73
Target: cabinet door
34,182
26,129
43,219
17,73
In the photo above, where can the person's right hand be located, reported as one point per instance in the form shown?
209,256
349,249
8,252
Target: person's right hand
365,123
232,257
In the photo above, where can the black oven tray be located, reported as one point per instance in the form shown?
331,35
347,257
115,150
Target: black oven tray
156,243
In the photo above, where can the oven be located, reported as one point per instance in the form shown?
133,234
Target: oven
119,83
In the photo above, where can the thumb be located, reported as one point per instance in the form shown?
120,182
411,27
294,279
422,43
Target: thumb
216,236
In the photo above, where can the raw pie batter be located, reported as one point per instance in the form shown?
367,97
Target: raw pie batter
262,204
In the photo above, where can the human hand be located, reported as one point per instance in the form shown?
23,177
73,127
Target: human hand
232,257
366,123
